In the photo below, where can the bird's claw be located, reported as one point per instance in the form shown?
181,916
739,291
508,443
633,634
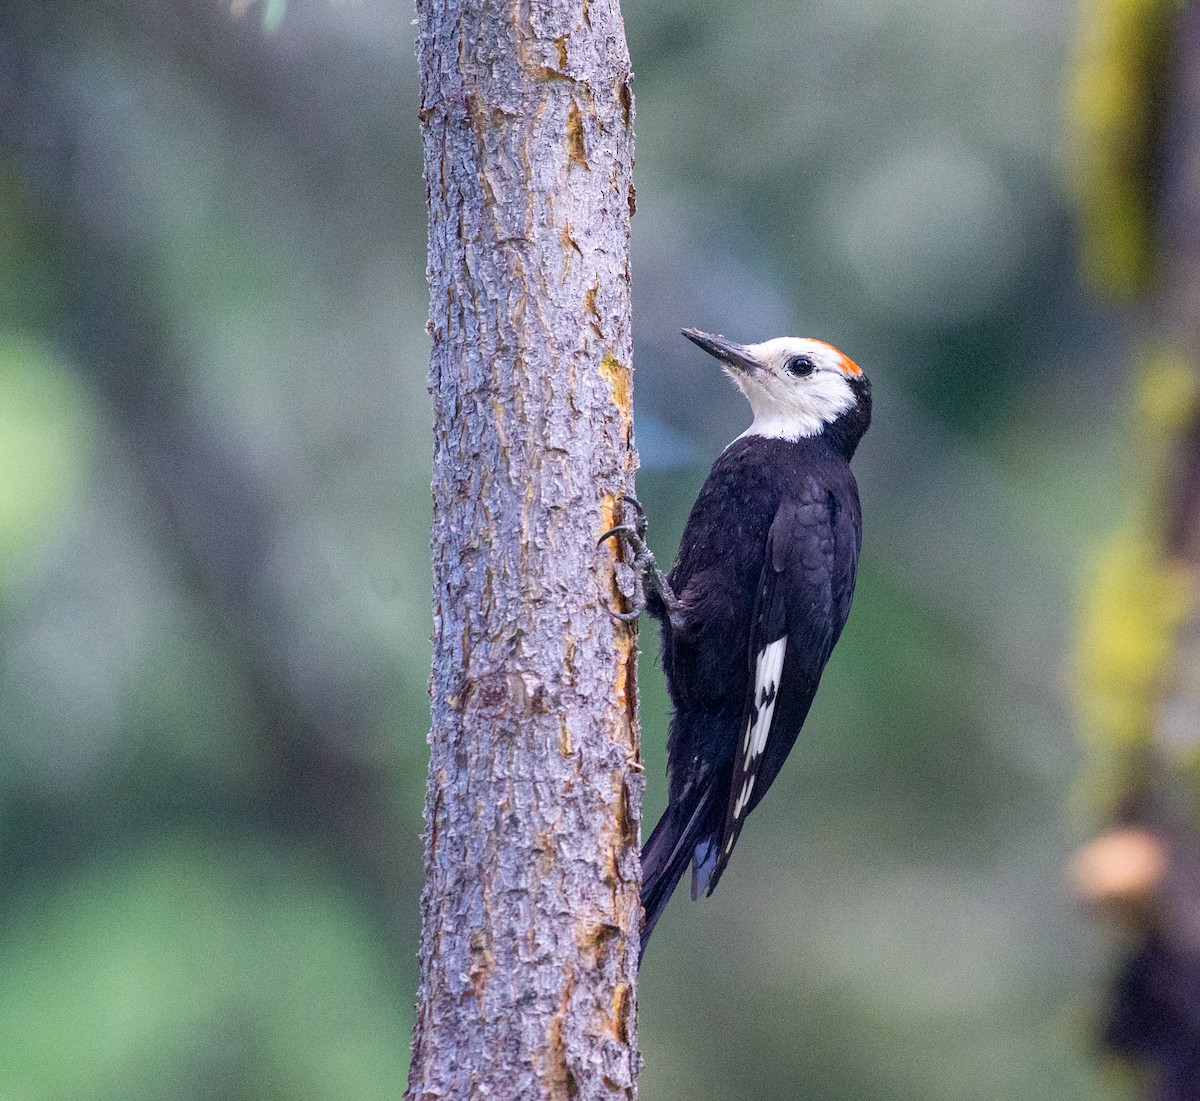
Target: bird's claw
628,530
637,544
639,515
651,577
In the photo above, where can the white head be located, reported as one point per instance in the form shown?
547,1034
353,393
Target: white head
796,387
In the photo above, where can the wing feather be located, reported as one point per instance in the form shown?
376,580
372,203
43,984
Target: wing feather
800,607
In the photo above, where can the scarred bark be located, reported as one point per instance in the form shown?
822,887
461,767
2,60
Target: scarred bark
530,910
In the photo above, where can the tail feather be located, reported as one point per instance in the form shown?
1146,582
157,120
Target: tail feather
666,855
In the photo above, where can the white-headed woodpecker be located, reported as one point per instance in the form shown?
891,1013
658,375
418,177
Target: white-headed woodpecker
756,600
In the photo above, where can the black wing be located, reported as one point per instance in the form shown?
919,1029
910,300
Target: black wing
802,603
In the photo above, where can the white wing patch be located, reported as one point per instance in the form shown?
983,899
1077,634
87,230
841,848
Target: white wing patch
768,669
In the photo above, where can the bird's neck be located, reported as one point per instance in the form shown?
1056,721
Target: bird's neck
789,426
840,436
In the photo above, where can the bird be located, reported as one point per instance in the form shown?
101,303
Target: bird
755,601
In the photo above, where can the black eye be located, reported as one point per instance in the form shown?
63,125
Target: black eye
800,366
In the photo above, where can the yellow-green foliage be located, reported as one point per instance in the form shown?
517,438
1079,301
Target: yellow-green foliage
1133,609
1137,599
1118,76
1164,408
1165,397
1135,604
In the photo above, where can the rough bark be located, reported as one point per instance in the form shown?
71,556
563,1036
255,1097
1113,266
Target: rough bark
530,910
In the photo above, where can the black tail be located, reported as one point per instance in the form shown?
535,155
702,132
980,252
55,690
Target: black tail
665,857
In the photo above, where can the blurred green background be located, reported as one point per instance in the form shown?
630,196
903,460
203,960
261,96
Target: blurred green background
214,572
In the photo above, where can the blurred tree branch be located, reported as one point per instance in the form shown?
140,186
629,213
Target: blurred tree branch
1137,109
530,909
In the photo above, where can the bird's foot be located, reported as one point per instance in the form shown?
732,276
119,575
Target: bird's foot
656,595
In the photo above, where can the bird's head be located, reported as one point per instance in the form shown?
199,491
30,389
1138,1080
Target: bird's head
796,387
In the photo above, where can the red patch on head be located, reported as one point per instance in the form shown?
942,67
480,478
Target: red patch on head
845,364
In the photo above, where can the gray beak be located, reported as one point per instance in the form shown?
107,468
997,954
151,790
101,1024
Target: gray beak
727,351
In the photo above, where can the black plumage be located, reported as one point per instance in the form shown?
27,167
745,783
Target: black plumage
757,598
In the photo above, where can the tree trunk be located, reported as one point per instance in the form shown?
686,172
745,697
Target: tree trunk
530,910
